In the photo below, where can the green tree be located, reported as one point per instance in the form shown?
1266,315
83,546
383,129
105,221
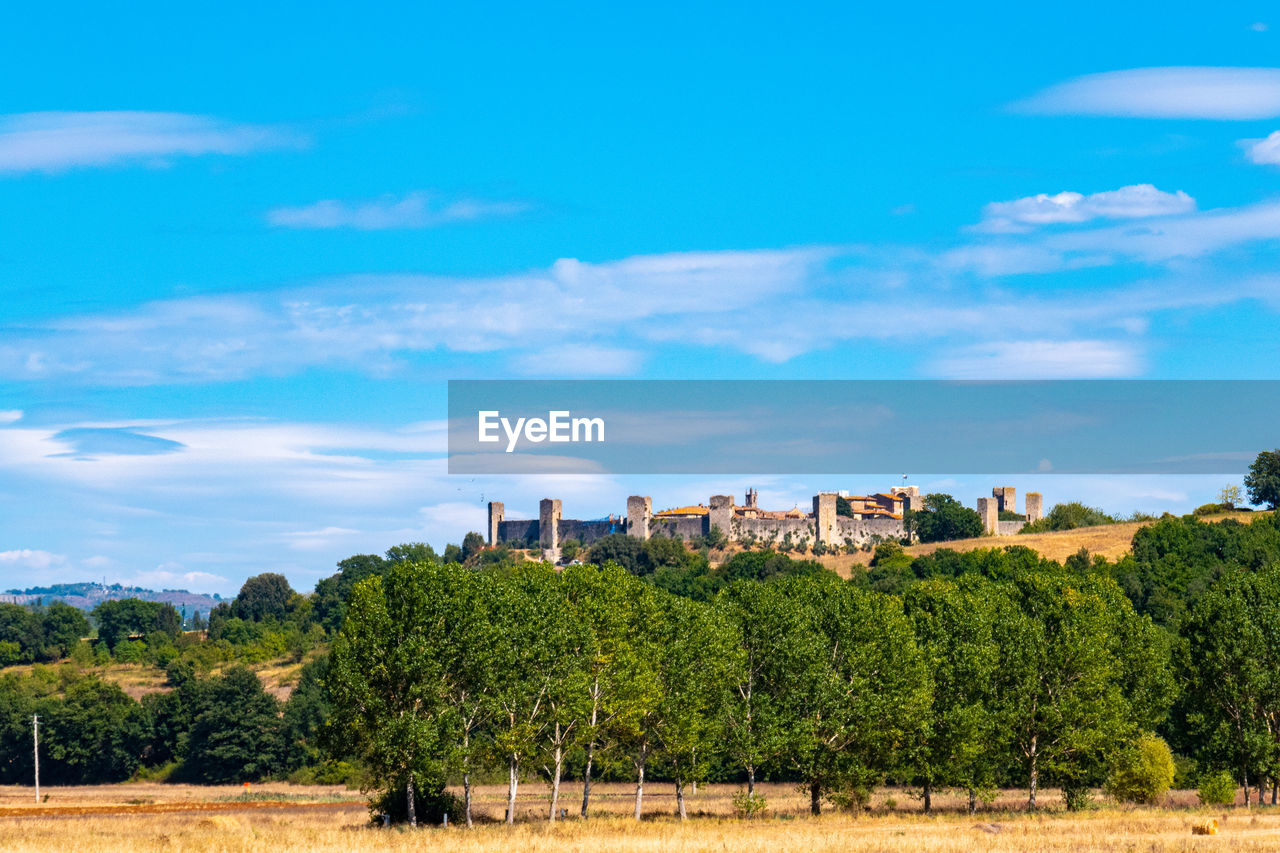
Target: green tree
472,544
385,679
1069,516
237,734
955,626
620,685
1228,666
534,641
1083,674
694,672
767,626
118,620
264,596
626,551
62,626
95,735
21,628
943,519
1263,479
861,690
330,602
411,552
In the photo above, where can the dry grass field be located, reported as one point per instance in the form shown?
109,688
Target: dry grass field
147,818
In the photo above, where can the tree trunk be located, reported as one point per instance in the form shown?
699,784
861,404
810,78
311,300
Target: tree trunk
1262,781
1246,789
973,800
1035,779
555,782
751,780
408,798
512,767
928,797
466,794
680,799
815,798
1274,786
586,778
639,786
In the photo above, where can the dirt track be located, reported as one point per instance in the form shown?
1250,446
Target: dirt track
172,808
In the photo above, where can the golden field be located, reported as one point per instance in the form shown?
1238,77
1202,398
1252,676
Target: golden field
142,818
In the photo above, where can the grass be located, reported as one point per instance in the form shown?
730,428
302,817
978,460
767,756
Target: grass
194,819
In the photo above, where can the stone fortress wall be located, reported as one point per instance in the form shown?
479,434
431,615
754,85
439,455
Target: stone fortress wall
876,518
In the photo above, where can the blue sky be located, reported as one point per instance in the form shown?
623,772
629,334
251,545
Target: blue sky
241,253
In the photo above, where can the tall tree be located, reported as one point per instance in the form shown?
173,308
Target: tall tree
1069,679
533,641
1231,694
386,682
862,688
694,667
618,685
767,626
955,627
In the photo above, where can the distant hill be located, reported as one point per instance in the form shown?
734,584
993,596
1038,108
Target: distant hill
87,596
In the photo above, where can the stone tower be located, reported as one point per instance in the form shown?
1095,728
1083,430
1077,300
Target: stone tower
496,514
639,514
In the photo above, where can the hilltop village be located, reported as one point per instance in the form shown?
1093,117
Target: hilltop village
838,519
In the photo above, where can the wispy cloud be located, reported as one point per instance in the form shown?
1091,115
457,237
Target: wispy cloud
1132,202
57,141
1071,359
1175,92
415,210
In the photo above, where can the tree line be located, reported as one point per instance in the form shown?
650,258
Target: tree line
1044,678
994,667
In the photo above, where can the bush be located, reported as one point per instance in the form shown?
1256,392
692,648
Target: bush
1142,773
1212,509
1077,797
747,805
1069,516
1217,789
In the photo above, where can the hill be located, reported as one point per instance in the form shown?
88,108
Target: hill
89,595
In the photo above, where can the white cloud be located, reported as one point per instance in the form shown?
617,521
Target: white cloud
1176,92
415,210
29,559
10,416
173,576
579,360
56,141
1132,202
1043,359
1259,27
1263,151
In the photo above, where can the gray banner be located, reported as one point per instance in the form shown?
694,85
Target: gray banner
865,427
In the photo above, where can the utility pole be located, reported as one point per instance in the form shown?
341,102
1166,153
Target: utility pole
35,734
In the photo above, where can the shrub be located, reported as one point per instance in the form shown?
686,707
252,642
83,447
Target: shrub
747,805
1069,516
1217,789
1077,797
1142,773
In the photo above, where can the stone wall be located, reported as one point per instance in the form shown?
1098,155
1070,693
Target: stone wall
685,528
1009,528
772,530
587,532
